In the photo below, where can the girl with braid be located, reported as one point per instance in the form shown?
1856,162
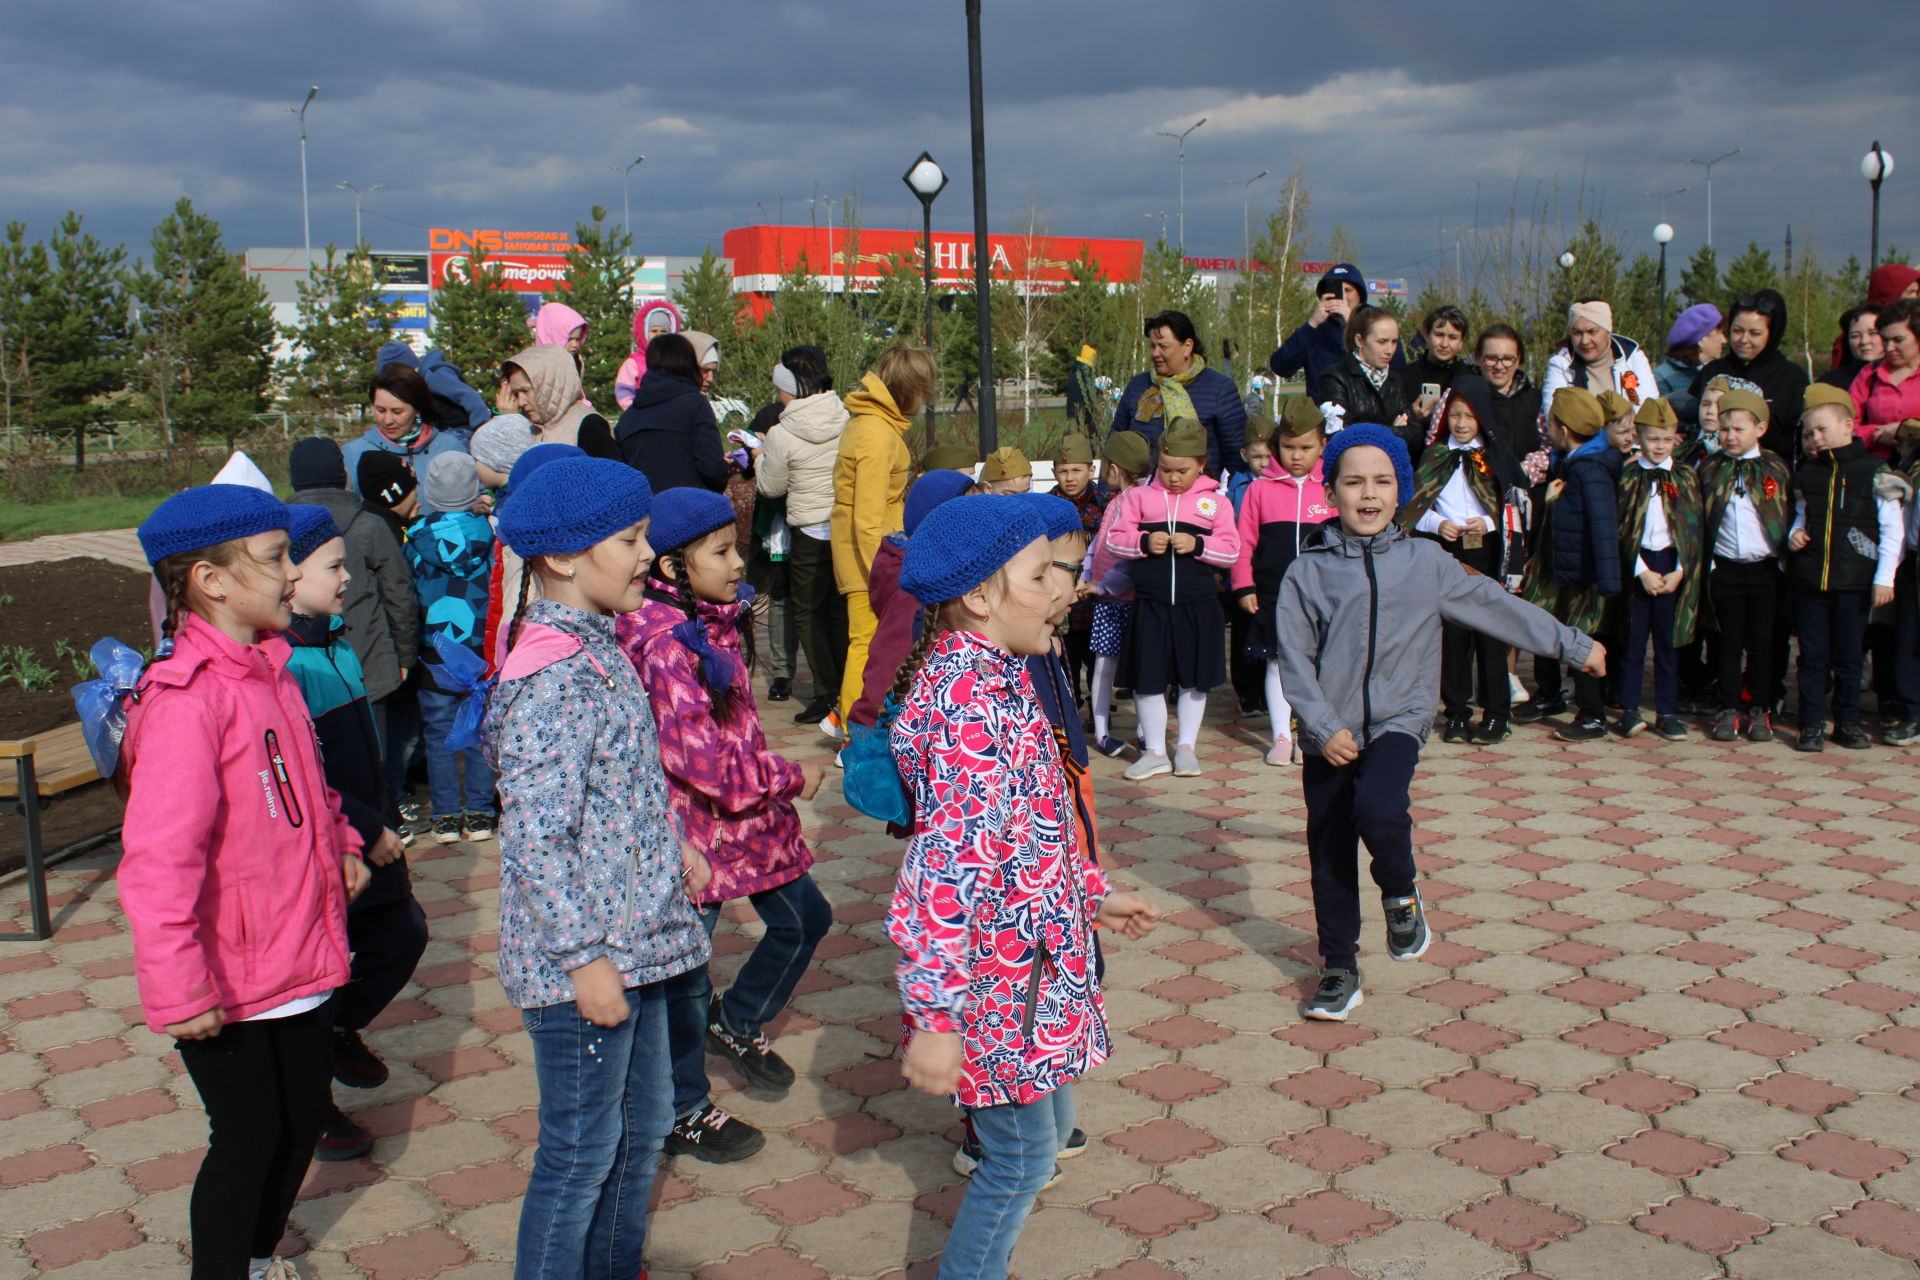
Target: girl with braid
691,641
238,866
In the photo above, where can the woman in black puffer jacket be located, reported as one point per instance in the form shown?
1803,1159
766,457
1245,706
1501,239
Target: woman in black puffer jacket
1363,386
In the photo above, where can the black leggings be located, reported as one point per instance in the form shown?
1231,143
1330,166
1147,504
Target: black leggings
264,1085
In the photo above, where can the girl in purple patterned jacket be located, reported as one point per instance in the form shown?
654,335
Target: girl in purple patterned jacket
691,643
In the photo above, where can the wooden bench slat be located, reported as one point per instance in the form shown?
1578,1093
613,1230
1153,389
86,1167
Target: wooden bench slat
14,748
61,762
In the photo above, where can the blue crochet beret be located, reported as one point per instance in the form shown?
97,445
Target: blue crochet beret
534,459
686,514
964,542
1380,438
208,515
570,504
311,528
1057,515
929,491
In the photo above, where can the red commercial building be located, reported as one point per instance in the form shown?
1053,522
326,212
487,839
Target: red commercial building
840,259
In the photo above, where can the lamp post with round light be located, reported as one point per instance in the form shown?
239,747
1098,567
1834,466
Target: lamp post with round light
1876,167
926,179
1663,236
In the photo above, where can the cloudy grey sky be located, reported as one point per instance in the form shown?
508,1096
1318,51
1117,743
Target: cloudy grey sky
515,115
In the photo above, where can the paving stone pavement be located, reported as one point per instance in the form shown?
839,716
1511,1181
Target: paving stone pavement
1669,1028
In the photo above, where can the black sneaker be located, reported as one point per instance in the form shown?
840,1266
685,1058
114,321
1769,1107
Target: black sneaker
763,1068
779,689
1459,728
1726,727
1760,727
966,1158
412,811
1076,1144
1123,695
715,1136
814,711
447,830
478,826
1812,738
355,1065
1584,729
1902,733
1629,724
341,1139
1492,728
1337,995
1252,707
1407,935
1852,737
1673,729
1539,709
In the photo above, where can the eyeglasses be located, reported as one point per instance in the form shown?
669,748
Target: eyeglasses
1499,359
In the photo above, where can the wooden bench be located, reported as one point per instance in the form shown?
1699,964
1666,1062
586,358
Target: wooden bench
45,766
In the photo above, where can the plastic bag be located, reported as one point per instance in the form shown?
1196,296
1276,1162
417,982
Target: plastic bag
872,782
461,670
102,703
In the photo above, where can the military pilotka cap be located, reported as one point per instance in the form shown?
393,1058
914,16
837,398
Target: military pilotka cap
1579,411
1074,449
1184,438
1659,415
949,457
1300,415
1818,394
1005,464
1129,451
1615,405
1752,403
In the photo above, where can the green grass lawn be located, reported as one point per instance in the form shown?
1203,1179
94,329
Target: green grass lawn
19,522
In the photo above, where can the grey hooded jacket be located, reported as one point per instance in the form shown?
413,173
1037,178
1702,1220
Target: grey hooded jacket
1359,622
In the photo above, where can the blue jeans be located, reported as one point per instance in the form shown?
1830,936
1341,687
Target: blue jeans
1019,1145
797,917
445,771
603,1118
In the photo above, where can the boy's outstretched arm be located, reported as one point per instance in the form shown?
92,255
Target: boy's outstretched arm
1470,599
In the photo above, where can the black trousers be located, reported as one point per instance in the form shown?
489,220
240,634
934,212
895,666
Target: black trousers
264,1085
1079,645
1249,675
1832,629
1650,617
1903,651
387,939
1746,611
1365,801
819,612
1462,649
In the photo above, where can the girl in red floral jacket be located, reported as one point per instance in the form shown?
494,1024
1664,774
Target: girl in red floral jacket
690,642
994,910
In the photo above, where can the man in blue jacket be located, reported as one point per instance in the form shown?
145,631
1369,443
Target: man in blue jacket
1321,342
1180,385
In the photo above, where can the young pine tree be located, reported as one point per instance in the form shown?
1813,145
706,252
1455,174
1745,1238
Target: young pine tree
600,269
343,319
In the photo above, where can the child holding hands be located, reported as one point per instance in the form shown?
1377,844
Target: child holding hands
238,867
994,911
1360,613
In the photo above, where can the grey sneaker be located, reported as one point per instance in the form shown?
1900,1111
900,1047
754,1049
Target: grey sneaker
1337,995
1407,935
1149,765
1186,763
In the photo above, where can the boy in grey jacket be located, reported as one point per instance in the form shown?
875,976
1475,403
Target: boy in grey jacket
1359,617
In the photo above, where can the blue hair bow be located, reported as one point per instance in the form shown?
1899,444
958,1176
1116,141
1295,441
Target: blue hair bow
102,703
462,671
717,670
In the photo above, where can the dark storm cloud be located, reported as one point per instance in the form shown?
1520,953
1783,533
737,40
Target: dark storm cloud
496,114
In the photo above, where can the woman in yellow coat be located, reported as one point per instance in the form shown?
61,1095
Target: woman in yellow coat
869,493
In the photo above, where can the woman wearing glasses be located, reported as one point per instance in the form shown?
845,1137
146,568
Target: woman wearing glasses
1502,356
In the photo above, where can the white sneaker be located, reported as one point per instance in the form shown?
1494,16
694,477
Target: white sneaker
1149,765
1186,763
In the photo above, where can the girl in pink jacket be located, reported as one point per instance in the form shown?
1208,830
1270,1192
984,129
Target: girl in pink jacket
690,643
238,866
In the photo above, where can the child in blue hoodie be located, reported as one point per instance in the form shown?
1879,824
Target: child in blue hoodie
451,552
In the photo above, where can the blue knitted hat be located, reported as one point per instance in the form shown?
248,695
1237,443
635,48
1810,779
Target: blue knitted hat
207,516
1059,516
310,527
685,514
570,504
929,491
963,543
1380,438
534,459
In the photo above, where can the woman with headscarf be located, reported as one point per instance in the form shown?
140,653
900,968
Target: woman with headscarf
648,323
1860,339
1756,326
544,385
559,325
1597,359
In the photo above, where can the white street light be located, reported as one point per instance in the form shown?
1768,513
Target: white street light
1663,234
1567,260
358,194
1181,138
1876,167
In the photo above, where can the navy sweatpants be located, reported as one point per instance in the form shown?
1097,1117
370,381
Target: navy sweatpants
1651,617
1365,801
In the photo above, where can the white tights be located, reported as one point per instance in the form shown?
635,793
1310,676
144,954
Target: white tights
1277,708
1105,667
1152,710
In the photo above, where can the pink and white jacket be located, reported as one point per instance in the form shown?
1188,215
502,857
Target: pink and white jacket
1203,511
1277,515
733,795
993,910
231,878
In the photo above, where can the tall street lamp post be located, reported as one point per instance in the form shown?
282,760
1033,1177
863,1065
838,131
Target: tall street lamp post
306,215
358,195
1181,138
1662,236
1876,167
926,179
1708,166
982,259
626,193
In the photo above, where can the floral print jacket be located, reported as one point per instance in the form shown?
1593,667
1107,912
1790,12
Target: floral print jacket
993,911
589,858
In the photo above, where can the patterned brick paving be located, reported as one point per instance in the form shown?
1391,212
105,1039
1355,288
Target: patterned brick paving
1669,1027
